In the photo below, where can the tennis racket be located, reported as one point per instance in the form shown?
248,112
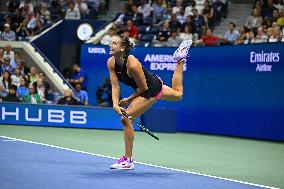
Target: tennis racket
144,129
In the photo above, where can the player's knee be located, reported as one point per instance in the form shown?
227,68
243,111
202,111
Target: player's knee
124,121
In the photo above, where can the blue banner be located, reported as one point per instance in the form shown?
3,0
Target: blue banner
59,116
230,90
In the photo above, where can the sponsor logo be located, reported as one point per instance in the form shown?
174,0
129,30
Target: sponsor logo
162,62
264,60
96,50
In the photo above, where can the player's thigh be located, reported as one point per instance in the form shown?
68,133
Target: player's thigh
171,94
140,105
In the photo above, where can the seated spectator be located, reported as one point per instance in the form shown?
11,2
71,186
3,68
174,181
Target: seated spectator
17,19
11,6
158,11
209,39
104,94
174,40
268,10
261,36
106,40
12,96
95,5
132,28
23,32
82,7
218,7
79,76
186,34
39,28
188,22
181,17
68,98
16,77
41,89
250,38
6,82
22,90
189,8
174,24
124,16
232,35
81,94
278,4
208,15
198,23
32,23
23,69
33,75
126,33
6,66
177,7
145,8
280,20
42,76
8,34
243,35
254,20
276,35
8,52
137,17
163,35
32,97
72,13
45,13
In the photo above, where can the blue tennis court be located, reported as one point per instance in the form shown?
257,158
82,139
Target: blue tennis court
26,164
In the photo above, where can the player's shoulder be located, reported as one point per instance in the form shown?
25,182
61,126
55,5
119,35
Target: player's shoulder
132,61
111,62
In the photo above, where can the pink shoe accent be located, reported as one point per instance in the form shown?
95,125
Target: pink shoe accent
160,94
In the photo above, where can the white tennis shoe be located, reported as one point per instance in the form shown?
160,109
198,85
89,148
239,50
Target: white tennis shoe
182,52
123,163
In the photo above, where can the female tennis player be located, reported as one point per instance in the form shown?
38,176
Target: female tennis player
148,88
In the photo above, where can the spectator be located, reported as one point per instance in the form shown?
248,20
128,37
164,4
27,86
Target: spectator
174,40
250,38
8,52
254,20
174,24
198,23
8,34
79,76
41,89
208,15
158,11
177,7
276,35
126,33
23,69
17,19
145,9
6,82
6,66
16,77
122,18
275,15
82,7
278,4
23,32
232,35
68,98
188,22
67,73
181,17
22,90
32,97
132,28
11,6
137,17
268,10
72,13
280,20
39,28
81,94
95,4
190,7
45,13
26,4
243,35
218,7
163,35
209,39
42,76
261,37
32,23
12,96
33,76
186,34
106,40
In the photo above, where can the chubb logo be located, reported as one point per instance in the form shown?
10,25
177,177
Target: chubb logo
96,50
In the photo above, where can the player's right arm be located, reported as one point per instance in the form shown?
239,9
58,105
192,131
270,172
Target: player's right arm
114,84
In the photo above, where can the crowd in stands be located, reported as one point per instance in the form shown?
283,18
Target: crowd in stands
163,23
23,19
20,83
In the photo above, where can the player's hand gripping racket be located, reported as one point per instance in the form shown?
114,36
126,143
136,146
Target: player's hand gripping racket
144,129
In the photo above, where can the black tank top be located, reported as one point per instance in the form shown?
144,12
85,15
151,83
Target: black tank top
154,84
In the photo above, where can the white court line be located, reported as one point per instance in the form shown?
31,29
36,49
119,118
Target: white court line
147,164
